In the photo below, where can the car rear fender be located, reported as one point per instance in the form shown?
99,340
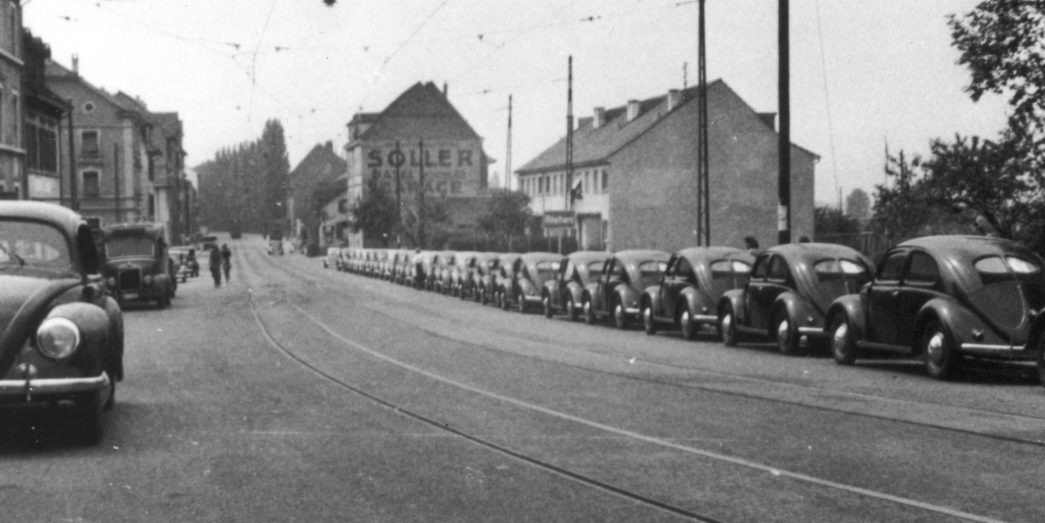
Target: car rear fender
735,299
948,312
696,302
797,309
852,307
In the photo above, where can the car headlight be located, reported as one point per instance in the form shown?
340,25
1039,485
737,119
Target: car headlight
58,338
148,279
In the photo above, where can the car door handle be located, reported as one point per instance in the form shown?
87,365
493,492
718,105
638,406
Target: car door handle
895,294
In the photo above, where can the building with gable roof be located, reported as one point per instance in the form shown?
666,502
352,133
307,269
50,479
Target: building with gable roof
321,167
419,134
128,162
635,169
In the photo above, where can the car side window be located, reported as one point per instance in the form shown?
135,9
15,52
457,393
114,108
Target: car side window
921,270
759,272
671,271
890,269
685,270
778,271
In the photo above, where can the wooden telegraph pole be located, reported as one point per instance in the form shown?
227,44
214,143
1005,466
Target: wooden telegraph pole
703,167
784,89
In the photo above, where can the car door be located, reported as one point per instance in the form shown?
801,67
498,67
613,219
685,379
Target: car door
882,296
920,283
678,276
754,288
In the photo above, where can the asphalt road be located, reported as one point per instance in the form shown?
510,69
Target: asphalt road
298,393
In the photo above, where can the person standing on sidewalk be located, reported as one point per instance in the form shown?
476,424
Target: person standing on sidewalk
215,266
226,260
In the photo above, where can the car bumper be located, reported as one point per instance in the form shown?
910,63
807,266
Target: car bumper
46,389
1008,352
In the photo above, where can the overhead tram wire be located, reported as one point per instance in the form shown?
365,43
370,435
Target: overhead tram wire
254,62
402,44
827,101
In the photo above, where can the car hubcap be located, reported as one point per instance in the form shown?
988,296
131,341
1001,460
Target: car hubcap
727,324
647,316
839,338
685,323
934,349
782,334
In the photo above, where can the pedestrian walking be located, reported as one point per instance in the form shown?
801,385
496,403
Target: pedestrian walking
215,266
226,260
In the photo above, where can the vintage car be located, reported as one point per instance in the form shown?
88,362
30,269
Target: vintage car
421,266
479,285
687,297
401,266
942,298
438,278
459,272
787,296
61,334
617,292
502,272
529,274
137,267
333,258
185,262
565,291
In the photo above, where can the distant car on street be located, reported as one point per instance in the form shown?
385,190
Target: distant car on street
617,292
137,266
62,337
531,271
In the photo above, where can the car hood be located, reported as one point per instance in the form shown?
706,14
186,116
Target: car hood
22,303
129,263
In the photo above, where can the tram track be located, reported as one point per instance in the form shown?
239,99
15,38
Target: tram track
551,467
903,405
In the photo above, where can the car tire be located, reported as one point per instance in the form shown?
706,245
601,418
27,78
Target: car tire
687,326
502,300
727,326
481,296
546,305
1040,357
843,346
648,323
572,311
620,318
938,350
588,312
520,304
785,335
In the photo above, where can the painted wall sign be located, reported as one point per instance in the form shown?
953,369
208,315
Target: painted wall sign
451,168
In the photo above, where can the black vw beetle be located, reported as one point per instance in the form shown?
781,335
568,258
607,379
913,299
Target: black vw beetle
528,275
617,292
688,295
61,335
945,297
565,291
790,289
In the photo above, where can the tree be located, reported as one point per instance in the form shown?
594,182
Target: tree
830,220
375,212
1002,42
508,214
858,206
275,169
899,208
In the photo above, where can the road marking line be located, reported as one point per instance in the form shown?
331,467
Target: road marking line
775,471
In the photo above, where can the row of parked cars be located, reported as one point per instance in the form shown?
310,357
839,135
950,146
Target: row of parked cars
948,300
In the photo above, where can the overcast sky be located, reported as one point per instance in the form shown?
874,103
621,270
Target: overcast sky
863,73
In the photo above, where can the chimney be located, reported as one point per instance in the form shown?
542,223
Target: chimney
76,65
633,110
674,99
599,119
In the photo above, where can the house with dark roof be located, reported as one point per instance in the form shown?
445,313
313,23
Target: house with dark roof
321,167
128,161
419,147
635,172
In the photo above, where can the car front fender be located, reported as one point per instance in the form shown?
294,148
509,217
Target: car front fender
735,299
852,306
95,330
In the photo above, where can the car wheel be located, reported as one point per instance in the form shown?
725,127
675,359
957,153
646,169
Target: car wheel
648,323
1041,358
727,329
843,347
481,296
786,336
588,311
572,311
546,304
941,359
620,319
686,324
502,300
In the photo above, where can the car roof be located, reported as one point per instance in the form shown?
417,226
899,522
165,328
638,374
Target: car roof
811,252
586,257
956,246
42,211
531,257
636,255
697,254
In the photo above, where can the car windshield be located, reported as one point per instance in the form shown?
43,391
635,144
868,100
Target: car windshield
727,275
32,245
650,273
1009,286
838,277
121,247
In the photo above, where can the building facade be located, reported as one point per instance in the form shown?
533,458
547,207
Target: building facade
322,167
45,112
635,171
12,151
418,136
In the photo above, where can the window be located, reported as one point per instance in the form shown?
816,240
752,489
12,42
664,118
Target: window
90,184
889,270
922,270
778,271
89,144
605,180
684,269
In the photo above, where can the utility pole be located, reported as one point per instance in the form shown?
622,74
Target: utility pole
784,89
397,162
74,195
703,166
569,135
508,151
421,196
